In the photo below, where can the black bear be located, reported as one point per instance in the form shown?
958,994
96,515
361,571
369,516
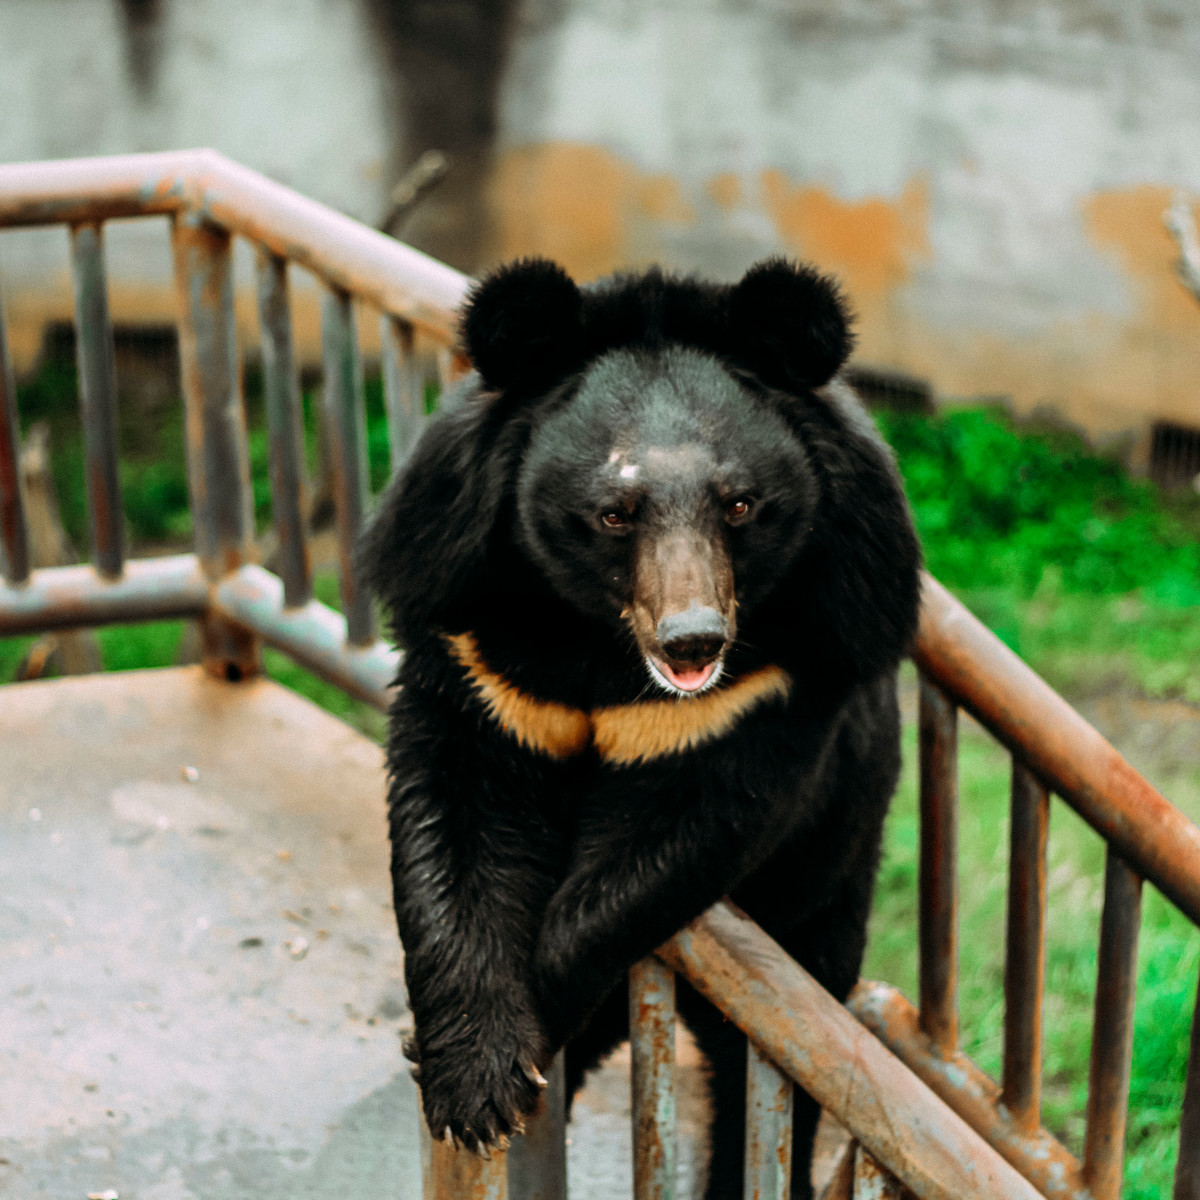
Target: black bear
653,572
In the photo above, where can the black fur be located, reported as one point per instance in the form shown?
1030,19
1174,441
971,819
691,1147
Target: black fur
525,886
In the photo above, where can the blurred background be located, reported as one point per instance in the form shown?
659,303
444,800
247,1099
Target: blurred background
987,178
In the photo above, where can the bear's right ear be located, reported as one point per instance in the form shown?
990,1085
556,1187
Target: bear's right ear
521,325
789,325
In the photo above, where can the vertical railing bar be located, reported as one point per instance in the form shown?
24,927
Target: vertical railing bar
403,387
1025,959
215,425
285,435
1187,1169
537,1160
1112,1030
652,1051
345,427
462,1175
939,867
14,531
768,1160
97,397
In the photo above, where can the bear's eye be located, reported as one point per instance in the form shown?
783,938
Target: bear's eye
738,509
614,518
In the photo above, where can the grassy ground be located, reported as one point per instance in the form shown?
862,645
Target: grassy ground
1093,578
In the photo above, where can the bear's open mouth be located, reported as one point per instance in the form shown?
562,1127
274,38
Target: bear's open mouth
684,680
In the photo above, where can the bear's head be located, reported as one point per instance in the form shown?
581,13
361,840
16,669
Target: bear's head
669,457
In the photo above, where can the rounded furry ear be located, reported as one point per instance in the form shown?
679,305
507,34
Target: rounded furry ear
789,324
521,324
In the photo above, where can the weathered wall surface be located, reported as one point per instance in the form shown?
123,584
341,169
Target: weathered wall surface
987,178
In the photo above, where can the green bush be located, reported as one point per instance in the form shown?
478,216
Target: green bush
999,507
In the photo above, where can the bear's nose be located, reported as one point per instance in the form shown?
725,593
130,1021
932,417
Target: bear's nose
695,635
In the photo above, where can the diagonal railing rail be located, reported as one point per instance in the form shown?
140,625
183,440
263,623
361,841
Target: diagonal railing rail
921,1115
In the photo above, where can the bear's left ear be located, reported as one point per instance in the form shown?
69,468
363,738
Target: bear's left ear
789,325
521,325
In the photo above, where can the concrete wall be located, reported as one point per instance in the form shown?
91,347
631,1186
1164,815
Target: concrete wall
987,178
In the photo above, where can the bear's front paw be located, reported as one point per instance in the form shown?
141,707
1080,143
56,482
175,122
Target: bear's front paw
479,1097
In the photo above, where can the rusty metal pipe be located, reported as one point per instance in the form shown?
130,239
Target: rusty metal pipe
1187,1169
938,917
652,1053
807,1033
314,635
285,434
972,1094
150,589
1112,1030
460,1175
14,532
1044,731
768,1162
95,189
1025,958
342,251
215,425
403,387
97,397
344,422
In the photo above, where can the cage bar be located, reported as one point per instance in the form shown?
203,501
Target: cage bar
768,1162
1112,1029
218,463
14,531
1025,961
403,386
97,397
537,1160
939,867
215,424
285,434
1187,1169
452,1174
652,1052
345,431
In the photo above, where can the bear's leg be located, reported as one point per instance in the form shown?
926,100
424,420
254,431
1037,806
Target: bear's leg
607,1029
724,1048
830,946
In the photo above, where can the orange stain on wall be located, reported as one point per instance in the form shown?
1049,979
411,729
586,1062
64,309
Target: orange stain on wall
579,205
725,190
1129,224
870,244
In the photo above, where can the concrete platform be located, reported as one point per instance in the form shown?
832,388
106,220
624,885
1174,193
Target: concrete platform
200,981
201,987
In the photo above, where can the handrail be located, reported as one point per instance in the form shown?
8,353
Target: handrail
1036,723
727,958
341,250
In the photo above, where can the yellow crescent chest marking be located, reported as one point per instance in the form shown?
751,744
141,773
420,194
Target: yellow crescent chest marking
630,733
623,733
554,729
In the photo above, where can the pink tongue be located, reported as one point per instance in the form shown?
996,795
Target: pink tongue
690,680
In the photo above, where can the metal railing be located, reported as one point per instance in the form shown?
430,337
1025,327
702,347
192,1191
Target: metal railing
921,1115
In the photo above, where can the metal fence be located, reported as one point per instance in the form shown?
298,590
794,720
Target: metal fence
922,1117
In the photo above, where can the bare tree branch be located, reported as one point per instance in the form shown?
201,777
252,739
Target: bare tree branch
1181,222
415,184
